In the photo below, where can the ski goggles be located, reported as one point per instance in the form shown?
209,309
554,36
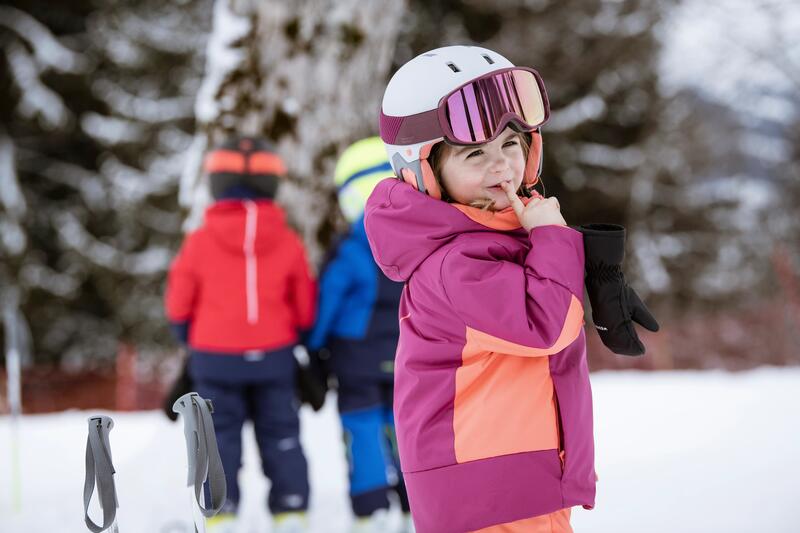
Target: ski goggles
477,112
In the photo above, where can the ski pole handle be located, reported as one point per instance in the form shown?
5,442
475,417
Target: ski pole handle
202,452
100,471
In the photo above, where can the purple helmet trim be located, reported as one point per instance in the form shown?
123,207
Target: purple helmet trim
412,129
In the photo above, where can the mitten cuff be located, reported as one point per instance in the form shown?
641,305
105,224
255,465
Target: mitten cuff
604,244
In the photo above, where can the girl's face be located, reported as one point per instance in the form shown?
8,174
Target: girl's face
474,173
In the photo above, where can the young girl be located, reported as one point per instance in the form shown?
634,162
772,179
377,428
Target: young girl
492,403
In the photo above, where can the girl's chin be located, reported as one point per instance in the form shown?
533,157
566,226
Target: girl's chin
499,197
501,204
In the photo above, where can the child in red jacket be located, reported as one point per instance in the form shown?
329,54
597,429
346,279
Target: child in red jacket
239,293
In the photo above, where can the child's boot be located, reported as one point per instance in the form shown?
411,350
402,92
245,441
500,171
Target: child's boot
221,523
377,522
291,522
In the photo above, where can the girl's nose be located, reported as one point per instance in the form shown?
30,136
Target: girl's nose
498,162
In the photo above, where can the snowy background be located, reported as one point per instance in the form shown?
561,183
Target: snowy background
714,172
677,452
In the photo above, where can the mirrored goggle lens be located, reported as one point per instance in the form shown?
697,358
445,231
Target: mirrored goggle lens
477,110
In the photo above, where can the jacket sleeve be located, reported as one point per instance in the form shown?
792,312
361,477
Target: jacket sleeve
303,291
334,284
181,291
530,309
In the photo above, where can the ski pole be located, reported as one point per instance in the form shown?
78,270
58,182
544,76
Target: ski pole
13,370
204,463
100,470
17,344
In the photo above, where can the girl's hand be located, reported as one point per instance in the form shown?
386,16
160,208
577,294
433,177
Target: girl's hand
538,212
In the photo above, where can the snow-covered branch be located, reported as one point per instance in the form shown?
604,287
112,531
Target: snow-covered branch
608,21
144,109
166,30
11,197
111,131
73,235
90,185
12,237
59,284
590,107
612,158
129,185
35,96
48,51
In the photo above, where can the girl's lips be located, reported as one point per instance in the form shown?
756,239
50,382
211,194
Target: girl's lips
496,188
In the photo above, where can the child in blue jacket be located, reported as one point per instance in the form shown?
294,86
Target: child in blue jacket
357,323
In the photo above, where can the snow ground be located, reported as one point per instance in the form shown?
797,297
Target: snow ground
676,452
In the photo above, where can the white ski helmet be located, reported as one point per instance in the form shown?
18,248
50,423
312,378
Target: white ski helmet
465,94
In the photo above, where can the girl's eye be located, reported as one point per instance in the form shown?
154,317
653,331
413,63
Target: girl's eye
510,143
474,153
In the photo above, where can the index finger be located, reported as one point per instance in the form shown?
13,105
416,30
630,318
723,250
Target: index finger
516,203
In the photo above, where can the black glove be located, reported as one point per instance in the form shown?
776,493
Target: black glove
311,383
615,305
182,385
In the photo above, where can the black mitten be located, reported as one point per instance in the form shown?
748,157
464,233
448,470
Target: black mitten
182,385
311,385
615,305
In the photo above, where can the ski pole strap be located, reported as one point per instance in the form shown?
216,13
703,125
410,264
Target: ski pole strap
100,470
202,452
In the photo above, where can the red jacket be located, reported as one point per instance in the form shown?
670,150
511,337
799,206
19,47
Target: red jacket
242,280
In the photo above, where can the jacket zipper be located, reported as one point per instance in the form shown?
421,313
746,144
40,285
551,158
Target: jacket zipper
251,262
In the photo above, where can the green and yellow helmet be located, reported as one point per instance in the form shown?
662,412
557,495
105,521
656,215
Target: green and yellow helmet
361,166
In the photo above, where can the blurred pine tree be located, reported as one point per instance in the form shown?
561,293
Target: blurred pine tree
110,106
98,113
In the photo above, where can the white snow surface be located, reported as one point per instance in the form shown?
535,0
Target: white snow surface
676,452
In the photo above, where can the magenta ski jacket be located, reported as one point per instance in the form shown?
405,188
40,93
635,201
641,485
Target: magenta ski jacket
493,405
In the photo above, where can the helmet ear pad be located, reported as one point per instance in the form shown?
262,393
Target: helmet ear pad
408,176
426,182
533,166
428,179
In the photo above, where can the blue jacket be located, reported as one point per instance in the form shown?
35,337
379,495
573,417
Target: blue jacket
357,315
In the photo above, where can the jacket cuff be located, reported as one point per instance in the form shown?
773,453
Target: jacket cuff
180,330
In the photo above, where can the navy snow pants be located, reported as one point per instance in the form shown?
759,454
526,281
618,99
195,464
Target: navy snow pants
257,386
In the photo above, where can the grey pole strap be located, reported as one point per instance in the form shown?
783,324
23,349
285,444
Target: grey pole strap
202,452
100,470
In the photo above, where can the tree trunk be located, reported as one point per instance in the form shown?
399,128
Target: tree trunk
307,75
